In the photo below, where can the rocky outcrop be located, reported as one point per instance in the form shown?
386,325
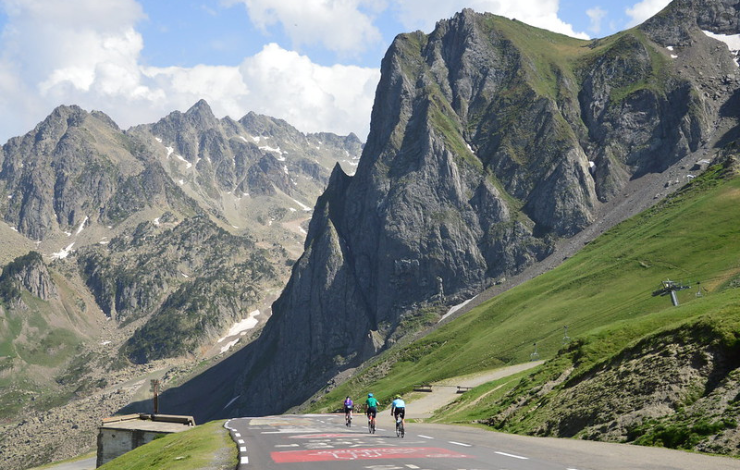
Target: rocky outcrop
490,140
28,272
678,388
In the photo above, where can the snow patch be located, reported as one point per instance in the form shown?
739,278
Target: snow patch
229,345
187,163
104,343
731,40
244,139
232,401
303,231
303,206
285,169
293,209
69,234
82,225
277,150
240,329
158,139
181,182
13,229
670,48
455,309
170,151
64,253
156,221
10,196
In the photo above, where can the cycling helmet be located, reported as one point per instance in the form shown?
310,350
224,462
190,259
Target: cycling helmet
397,397
369,395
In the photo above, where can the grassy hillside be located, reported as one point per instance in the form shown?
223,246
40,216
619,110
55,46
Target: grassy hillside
603,296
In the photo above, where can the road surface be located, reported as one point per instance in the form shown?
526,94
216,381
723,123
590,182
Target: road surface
322,442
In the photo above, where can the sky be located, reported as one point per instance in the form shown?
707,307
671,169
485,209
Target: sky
314,63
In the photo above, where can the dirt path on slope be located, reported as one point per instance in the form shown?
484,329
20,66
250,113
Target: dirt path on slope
423,404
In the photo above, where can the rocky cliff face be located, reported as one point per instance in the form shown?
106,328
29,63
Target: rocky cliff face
29,273
490,141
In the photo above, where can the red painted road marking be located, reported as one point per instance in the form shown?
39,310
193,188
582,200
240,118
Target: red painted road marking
365,454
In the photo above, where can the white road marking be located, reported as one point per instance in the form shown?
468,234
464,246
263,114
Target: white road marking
287,445
425,437
460,444
240,441
237,434
244,460
513,456
411,466
242,449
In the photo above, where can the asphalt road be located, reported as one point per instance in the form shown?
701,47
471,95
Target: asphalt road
323,442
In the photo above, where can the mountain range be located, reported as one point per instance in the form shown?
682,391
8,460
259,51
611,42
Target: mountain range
493,145
157,247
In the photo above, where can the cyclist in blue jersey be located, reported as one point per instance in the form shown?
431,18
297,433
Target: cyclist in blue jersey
398,409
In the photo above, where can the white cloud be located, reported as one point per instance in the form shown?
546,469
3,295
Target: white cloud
310,96
644,10
89,53
596,15
345,27
423,14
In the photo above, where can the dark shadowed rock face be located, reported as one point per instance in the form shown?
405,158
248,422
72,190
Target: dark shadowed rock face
490,140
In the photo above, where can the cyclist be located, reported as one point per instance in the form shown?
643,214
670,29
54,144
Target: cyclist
372,408
348,405
398,409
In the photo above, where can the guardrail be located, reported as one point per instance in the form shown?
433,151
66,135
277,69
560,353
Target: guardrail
463,389
423,388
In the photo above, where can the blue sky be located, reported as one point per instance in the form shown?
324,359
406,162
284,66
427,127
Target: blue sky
314,63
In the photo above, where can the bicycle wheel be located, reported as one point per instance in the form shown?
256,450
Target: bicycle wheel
403,431
373,427
398,429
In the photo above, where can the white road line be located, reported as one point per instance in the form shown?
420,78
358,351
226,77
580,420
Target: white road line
425,437
408,465
244,460
237,434
240,441
513,456
460,444
287,445
242,449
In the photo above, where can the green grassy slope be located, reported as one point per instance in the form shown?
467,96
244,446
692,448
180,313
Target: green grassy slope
604,290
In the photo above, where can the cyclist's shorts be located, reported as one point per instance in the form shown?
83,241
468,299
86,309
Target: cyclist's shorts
399,412
372,411
347,409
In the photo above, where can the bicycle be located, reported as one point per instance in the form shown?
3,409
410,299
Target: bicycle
348,419
371,426
400,431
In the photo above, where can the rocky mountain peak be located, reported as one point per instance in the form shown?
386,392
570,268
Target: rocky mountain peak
674,24
201,115
491,141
